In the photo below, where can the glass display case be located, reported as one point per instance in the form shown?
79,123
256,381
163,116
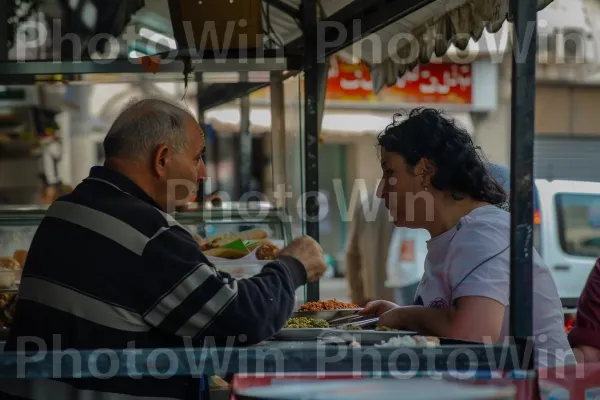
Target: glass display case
18,225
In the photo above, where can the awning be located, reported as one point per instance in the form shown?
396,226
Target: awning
349,124
429,32
387,49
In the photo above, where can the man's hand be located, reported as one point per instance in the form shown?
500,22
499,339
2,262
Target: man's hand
309,252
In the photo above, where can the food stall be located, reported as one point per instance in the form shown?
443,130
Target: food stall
337,346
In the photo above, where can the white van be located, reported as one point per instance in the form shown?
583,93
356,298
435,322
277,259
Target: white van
567,234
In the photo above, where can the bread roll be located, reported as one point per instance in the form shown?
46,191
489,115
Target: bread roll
9,269
20,256
252,234
9,263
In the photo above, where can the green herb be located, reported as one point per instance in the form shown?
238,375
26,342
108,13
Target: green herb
305,322
352,328
236,245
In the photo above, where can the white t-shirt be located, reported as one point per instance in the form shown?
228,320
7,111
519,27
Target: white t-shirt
477,237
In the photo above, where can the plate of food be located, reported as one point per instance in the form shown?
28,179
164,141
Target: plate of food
252,244
327,309
379,337
303,328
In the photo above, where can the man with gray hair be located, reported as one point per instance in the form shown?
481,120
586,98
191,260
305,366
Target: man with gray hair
109,268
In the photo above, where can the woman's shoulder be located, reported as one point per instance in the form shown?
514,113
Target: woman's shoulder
484,228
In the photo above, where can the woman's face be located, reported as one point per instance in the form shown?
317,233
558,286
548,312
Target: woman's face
403,190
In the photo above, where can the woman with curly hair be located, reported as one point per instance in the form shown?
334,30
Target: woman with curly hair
435,179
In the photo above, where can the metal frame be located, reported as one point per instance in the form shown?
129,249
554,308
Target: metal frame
311,129
245,137
521,195
295,358
3,34
285,8
235,62
372,14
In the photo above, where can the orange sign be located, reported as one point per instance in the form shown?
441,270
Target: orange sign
426,84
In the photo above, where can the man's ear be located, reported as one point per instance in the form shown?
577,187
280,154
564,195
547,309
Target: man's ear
162,156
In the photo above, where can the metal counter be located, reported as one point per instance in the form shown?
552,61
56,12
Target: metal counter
268,357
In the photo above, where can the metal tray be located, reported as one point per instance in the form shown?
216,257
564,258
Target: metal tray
301,334
370,337
381,389
327,315
337,335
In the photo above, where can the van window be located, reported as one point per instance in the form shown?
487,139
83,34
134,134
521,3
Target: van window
579,223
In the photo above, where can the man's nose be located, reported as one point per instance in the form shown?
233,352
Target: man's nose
202,173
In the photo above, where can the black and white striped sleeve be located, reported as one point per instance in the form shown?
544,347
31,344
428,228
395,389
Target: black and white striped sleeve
192,299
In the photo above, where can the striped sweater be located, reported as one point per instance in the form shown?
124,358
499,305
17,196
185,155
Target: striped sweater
108,269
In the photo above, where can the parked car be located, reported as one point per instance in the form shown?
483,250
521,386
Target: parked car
569,238
566,230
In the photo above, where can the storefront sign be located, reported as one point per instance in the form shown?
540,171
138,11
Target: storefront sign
426,84
439,84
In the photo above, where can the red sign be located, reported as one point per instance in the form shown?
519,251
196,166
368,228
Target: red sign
426,84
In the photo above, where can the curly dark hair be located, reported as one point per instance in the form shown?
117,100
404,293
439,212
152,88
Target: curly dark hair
461,170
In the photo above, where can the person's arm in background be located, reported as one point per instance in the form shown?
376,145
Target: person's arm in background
51,154
585,334
353,259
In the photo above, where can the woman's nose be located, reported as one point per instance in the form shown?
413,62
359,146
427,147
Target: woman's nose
380,188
